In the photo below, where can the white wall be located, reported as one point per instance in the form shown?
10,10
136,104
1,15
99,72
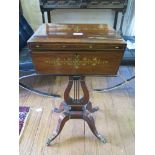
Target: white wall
129,20
32,14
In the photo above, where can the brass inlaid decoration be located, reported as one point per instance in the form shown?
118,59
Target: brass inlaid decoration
77,29
76,61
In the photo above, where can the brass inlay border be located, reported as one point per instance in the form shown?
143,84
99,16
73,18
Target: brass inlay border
76,61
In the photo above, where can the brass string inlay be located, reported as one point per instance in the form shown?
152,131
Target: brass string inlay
76,61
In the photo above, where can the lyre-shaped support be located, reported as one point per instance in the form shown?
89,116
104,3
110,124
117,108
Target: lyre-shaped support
75,80
76,108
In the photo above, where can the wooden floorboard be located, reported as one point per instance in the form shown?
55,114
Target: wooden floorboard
115,119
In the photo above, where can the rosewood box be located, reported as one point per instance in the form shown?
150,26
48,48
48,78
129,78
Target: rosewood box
76,49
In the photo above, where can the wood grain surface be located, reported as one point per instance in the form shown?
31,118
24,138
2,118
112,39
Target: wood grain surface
76,49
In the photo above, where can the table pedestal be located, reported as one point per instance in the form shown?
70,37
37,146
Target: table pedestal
76,108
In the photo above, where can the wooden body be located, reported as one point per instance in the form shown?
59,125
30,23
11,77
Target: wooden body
76,49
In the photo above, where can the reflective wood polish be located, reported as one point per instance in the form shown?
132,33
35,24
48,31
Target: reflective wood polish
76,50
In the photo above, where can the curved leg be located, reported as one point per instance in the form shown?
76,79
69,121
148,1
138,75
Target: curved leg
90,108
59,110
95,109
76,108
63,118
90,120
63,106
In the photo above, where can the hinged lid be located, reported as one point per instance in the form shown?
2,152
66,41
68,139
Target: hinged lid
76,33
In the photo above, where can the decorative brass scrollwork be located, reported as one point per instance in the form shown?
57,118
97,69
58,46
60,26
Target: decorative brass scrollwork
76,61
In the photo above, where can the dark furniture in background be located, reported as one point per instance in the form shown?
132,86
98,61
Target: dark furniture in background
25,32
129,55
115,5
26,66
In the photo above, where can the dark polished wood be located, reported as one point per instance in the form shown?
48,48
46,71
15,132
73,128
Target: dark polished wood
76,50
49,16
43,17
76,108
115,20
